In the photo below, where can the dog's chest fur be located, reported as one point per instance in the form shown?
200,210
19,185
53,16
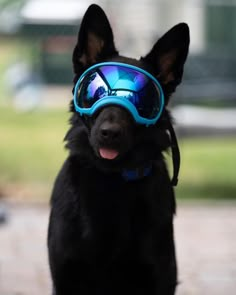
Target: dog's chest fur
110,206
116,229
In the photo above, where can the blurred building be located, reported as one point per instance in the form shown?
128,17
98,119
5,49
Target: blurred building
138,24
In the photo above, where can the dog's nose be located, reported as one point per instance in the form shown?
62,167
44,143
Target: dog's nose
110,131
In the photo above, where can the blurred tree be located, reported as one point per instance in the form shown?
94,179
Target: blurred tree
221,26
4,3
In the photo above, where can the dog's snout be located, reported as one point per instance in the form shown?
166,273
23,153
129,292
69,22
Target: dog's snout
110,131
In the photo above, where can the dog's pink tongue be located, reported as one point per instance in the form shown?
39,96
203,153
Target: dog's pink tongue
108,153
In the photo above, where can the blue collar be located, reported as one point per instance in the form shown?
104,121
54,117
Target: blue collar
135,174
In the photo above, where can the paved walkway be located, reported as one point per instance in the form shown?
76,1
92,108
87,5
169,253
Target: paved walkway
205,240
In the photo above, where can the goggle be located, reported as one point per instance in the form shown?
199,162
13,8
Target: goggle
113,83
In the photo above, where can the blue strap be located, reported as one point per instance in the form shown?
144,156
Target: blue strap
135,174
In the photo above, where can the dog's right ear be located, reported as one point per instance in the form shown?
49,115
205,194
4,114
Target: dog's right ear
168,57
95,40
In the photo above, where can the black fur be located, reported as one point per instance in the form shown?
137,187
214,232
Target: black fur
106,235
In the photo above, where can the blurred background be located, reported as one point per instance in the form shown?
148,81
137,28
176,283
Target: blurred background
37,38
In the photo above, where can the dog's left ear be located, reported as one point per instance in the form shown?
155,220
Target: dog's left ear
95,40
168,56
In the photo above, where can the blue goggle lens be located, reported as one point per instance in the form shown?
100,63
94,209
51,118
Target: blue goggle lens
120,81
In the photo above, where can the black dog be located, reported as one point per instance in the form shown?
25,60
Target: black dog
111,223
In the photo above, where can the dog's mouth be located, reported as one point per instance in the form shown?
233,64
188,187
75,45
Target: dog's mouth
108,153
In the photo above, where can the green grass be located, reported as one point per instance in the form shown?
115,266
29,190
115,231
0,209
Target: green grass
208,168
31,148
32,151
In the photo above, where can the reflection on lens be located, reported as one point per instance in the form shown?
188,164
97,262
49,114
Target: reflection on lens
92,89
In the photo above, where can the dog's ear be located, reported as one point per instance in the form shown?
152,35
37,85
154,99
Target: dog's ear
168,56
95,40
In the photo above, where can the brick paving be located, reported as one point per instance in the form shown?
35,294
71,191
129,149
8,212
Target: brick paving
205,241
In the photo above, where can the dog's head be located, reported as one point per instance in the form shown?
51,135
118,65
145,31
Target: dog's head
111,138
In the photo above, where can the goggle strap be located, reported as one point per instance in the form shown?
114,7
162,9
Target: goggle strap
175,155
